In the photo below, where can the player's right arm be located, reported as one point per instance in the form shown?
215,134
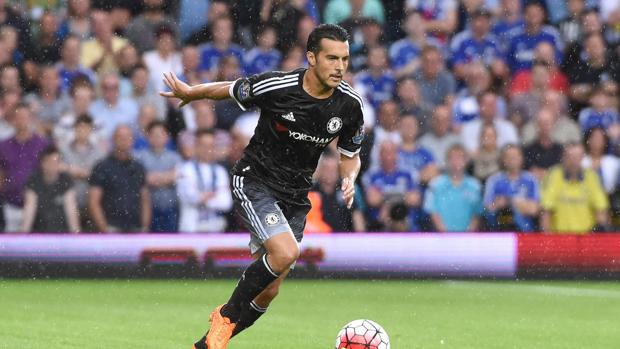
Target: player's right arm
186,93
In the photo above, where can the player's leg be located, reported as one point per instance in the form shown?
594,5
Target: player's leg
258,307
265,221
296,216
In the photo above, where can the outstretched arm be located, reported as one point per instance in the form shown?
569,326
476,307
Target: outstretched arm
349,168
187,93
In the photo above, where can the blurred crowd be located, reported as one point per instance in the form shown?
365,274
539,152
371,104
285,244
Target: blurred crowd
480,115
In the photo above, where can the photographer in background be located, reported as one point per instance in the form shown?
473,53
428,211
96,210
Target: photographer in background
391,185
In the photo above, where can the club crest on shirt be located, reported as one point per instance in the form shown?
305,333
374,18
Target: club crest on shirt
334,124
272,219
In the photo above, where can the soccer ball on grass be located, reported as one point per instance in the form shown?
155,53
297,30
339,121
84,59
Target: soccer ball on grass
362,334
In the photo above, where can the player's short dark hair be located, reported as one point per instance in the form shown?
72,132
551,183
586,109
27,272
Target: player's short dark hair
325,31
84,119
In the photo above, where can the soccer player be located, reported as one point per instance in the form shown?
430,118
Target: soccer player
301,112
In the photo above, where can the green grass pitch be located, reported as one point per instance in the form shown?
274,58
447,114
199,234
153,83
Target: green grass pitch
171,314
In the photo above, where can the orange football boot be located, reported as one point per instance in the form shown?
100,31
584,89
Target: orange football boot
221,330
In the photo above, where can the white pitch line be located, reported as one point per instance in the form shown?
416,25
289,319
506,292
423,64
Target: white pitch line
542,289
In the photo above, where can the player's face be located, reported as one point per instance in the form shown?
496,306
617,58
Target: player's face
331,62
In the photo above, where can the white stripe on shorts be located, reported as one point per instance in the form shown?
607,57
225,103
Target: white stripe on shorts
249,209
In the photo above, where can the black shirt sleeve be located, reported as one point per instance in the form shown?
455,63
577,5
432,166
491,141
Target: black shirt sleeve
252,91
352,134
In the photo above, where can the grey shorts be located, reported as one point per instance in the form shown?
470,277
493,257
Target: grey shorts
264,214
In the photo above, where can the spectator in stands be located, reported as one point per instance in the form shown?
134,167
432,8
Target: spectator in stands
337,11
79,154
46,45
601,113
506,132
389,186
412,157
9,78
190,61
50,204
563,130
99,52
112,110
69,66
81,95
78,21
436,84
204,189
148,115
164,58
607,166
440,16
512,196
119,199
405,53
221,46
128,59
410,102
285,17
9,17
264,57
486,159
477,44
327,194
144,93
591,23
573,199
465,108
48,103
524,80
571,27
386,130
440,138
593,69
544,152
142,31
377,81
453,199
520,53
19,157
160,165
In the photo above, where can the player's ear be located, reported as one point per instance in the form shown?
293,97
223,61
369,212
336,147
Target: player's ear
311,58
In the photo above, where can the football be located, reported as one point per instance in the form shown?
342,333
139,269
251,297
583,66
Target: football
362,334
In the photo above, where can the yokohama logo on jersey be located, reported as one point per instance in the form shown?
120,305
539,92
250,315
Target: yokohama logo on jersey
307,138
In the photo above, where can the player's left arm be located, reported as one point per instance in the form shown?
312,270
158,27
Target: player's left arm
349,168
349,145
186,93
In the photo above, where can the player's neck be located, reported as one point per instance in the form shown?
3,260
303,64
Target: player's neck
314,87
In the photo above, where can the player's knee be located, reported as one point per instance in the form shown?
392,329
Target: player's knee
283,259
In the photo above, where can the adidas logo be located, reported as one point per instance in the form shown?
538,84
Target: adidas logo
289,117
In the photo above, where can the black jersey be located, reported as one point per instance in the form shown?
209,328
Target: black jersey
294,128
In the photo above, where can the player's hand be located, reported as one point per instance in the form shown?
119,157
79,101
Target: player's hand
178,88
348,191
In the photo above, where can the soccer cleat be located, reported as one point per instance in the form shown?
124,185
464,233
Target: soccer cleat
221,330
